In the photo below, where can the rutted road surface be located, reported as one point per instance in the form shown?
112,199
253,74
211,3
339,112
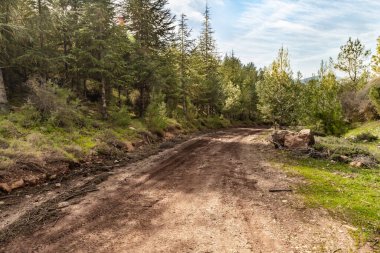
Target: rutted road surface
209,194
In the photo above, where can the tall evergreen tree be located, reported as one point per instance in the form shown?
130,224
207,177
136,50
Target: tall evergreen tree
152,26
186,45
11,33
278,92
95,45
211,92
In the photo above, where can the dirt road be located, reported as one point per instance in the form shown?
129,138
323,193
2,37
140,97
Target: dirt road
209,194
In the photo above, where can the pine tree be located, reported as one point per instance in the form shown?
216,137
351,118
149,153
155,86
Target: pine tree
210,99
152,26
278,92
11,30
95,46
186,45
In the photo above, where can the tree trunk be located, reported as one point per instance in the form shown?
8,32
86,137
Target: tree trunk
3,94
85,88
142,104
65,52
119,96
104,99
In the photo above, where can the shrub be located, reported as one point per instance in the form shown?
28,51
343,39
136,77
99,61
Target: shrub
9,130
365,137
121,118
29,116
336,147
374,94
38,140
156,116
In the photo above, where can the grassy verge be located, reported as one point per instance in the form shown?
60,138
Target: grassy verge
372,128
350,193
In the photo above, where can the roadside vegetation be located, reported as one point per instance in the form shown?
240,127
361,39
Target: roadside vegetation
350,193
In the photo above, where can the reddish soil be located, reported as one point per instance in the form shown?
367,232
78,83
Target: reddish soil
209,194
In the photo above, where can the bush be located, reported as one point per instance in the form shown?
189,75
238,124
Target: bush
374,94
156,116
365,137
121,118
336,147
9,130
215,122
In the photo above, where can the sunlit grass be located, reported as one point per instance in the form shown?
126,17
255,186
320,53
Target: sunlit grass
351,193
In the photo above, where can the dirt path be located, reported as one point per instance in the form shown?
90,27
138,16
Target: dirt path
209,194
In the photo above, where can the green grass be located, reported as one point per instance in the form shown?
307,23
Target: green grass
372,127
351,193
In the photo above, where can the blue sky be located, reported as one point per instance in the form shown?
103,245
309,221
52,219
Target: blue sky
312,30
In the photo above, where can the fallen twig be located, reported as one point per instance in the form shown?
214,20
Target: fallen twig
280,190
80,193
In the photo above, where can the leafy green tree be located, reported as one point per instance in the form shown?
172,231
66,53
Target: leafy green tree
320,104
278,93
351,59
239,83
376,59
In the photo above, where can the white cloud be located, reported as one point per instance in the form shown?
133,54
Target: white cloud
311,30
192,8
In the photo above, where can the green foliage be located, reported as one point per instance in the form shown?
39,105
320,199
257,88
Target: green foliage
320,106
376,58
374,95
239,84
366,137
9,130
351,59
372,127
215,123
156,115
341,147
278,93
121,118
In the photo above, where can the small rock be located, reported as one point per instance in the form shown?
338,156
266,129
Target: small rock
350,227
63,204
116,161
129,146
356,164
54,176
17,184
5,187
2,203
58,184
31,180
284,201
